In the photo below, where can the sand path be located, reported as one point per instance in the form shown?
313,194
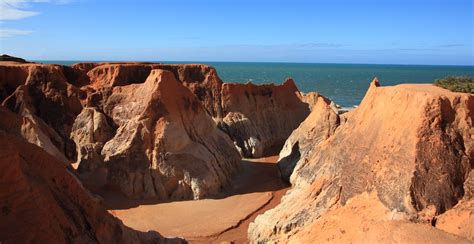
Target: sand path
254,190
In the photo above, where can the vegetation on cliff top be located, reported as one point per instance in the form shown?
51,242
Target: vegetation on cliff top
457,83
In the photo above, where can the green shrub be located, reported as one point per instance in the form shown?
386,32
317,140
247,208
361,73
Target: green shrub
457,83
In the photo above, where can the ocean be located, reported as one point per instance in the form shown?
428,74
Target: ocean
345,84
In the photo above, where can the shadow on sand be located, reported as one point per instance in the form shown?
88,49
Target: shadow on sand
256,175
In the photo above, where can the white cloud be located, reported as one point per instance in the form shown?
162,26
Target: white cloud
11,10
14,14
16,9
7,33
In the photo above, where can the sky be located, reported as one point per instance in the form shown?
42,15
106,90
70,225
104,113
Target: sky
436,32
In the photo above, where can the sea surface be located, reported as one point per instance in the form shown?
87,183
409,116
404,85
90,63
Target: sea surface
345,84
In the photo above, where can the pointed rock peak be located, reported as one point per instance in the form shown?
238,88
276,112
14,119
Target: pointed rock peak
290,83
375,82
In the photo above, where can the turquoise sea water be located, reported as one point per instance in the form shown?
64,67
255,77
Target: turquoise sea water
345,84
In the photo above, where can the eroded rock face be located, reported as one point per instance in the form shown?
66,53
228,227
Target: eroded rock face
166,144
109,75
460,219
203,81
88,114
42,94
317,127
168,148
90,132
411,144
41,201
37,134
259,118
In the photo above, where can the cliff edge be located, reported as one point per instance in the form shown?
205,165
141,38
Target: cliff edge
408,148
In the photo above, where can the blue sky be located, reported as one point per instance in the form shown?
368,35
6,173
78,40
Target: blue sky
326,31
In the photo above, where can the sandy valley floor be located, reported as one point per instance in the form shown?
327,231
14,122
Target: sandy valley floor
226,217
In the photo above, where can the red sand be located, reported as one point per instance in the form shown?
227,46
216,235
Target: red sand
254,190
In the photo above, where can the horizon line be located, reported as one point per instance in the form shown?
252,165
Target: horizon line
268,62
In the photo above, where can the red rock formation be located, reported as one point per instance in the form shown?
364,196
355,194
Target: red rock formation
460,219
37,134
42,94
110,75
41,201
259,118
258,126
318,126
202,80
411,145
166,145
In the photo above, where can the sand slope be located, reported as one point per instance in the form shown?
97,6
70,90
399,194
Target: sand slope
255,189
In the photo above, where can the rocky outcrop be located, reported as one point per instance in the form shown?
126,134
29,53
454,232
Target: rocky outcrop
259,118
411,145
174,148
202,80
37,134
364,219
317,127
41,201
90,132
8,58
120,74
165,144
42,94
86,113
460,219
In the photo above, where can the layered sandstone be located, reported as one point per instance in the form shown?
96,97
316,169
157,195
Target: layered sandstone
166,145
411,145
75,109
460,219
41,201
259,118
101,75
42,94
317,127
31,132
84,126
202,80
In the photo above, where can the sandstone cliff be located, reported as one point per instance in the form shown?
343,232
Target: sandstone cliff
42,94
409,145
259,118
120,116
154,138
42,202
318,126
166,145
